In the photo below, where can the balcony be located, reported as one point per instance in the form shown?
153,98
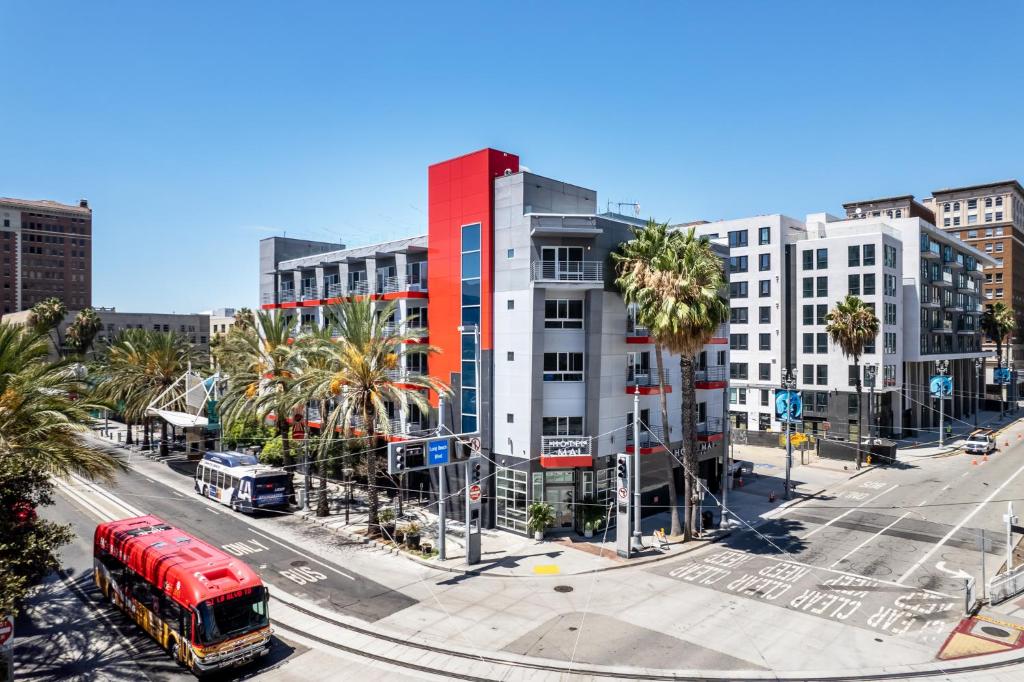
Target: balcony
401,375
645,381
967,286
945,279
578,271
410,429
711,378
334,290
953,263
943,327
710,430
930,250
651,439
967,329
930,301
404,283
721,336
309,294
635,333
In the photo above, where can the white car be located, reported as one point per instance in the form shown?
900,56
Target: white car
980,444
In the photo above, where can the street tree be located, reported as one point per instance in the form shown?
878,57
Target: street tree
850,325
45,318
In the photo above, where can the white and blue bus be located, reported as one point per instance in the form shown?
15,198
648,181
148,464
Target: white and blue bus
241,482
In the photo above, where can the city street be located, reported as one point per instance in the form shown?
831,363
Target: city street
866,575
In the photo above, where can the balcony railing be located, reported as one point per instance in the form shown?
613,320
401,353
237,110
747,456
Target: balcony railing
286,296
309,294
565,446
403,283
930,249
966,328
334,290
955,263
716,373
635,330
567,271
943,326
967,286
945,279
411,428
645,377
930,301
401,374
710,426
650,436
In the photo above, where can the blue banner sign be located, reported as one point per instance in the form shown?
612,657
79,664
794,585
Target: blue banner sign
789,406
1001,375
439,451
941,386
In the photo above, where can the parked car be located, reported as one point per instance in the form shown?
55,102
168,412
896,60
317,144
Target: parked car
980,444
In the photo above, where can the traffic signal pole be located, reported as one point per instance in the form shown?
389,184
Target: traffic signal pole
441,485
637,530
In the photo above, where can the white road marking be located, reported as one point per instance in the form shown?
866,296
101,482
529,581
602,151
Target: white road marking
946,487
178,494
212,511
922,503
964,474
850,511
958,573
958,526
327,566
861,545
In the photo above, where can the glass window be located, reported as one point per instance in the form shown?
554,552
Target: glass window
764,235
808,314
737,289
738,370
471,237
822,343
764,341
764,287
890,256
764,262
808,260
764,371
737,263
764,314
808,287
563,367
853,254
822,375
853,285
809,343
869,284
853,376
738,341
738,316
510,503
563,314
822,286
822,259
737,238
822,313
869,254
807,375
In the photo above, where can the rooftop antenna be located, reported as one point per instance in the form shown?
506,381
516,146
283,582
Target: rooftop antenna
620,204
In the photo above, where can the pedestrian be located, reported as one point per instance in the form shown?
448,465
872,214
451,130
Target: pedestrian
949,430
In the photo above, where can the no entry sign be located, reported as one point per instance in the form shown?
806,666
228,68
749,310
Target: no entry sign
474,493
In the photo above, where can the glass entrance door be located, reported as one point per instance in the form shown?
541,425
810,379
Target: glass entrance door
561,498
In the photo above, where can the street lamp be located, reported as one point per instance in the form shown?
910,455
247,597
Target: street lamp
789,384
943,367
870,373
978,365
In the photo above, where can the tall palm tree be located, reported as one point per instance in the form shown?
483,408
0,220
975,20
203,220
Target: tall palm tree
997,322
44,409
259,362
640,263
360,376
850,325
83,330
45,317
139,366
693,305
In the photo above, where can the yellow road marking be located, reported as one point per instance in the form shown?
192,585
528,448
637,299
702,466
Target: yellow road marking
546,569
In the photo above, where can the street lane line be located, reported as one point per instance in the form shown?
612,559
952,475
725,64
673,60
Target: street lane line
290,549
178,494
212,511
850,511
134,511
88,507
958,526
861,545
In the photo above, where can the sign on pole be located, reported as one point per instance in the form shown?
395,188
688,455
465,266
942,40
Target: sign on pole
6,632
941,386
789,406
474,493
417,454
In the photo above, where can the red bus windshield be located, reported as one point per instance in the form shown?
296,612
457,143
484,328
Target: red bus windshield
220,619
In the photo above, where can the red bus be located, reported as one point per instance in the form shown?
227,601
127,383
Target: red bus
208,609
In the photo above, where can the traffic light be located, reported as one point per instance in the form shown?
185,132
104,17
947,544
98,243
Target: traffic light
474,472
623,469
399,458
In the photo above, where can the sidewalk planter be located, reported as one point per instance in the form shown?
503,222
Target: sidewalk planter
386,518
588,531
540,515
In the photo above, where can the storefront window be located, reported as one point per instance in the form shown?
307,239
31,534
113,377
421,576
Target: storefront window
510,486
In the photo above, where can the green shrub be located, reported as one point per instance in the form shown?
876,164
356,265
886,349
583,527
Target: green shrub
272,452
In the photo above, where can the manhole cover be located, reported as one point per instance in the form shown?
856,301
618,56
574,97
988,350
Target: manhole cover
563,588
299,563
994,631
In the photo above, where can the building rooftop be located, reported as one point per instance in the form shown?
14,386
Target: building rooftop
881,200
355,253
46,205
988,185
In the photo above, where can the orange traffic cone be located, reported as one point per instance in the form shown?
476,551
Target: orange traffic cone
984,457
974,462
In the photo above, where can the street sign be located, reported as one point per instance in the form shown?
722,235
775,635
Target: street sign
474,445
623,493
825,426
789,406
6,632
1001,375
474,493
941,386
439,451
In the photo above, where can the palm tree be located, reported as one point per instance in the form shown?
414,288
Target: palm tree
360,376
45,317
44,409
139,367
850,325
83,330
637,267
997,322
259,363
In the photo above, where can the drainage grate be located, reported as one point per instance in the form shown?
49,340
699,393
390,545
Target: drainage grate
563,588
993,631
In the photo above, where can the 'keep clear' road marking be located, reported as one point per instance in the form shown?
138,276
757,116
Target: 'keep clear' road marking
957,527
305,556
850,511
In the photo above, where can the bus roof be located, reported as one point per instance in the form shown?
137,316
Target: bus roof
181,565
231,459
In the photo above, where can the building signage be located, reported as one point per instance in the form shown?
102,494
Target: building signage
941,386
565,451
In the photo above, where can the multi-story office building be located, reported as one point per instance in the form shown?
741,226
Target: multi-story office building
761,338
47,252
525,259
194,327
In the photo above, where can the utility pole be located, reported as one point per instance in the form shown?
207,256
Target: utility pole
723,520
1010,521
637,530
441,492
943,366
978,365
789,386
870,374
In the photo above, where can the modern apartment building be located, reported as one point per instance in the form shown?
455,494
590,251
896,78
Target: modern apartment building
923,283
526,259
761,334
47,252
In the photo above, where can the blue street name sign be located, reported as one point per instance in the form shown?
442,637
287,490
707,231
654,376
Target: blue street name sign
438,451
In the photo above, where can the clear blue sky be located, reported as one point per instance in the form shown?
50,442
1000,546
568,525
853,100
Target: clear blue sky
195,129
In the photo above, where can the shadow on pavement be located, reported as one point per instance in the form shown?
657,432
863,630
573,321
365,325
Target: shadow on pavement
777,536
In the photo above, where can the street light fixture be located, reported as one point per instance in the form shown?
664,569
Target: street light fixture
789,384
979,364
